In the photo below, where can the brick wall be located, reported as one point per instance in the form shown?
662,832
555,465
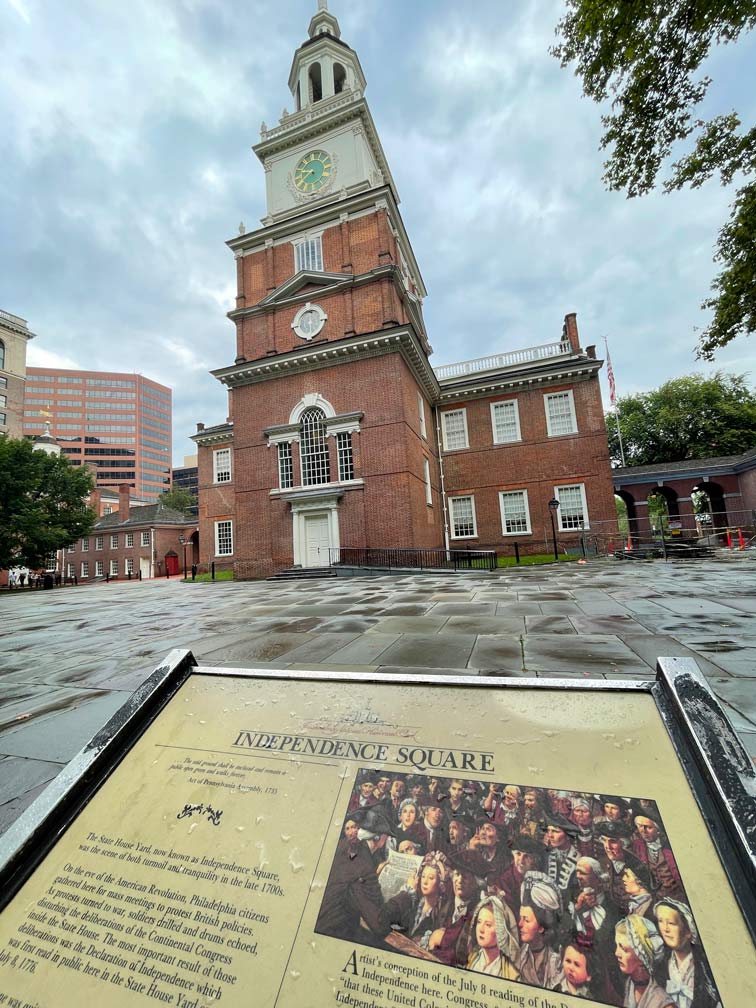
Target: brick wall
537,464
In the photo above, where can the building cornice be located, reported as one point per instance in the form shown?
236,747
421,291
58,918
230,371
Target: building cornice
213,435
401,339
526,376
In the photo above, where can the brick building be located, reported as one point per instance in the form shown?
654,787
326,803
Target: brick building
340,432
118,424
14,335
131,541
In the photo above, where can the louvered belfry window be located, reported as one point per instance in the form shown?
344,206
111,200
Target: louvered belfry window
313,448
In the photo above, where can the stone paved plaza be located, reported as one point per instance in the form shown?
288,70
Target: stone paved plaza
69,658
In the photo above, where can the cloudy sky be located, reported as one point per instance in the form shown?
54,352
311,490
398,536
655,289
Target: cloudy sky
126,165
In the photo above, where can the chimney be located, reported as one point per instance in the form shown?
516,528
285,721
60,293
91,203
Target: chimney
570,332
94,502
200,427
124,501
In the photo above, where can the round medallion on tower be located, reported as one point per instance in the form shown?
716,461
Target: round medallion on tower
309,321
314,172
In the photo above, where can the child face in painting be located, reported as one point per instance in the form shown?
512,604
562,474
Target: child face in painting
485,931
631,882
575,967
430,881
629,963
672,928
408,816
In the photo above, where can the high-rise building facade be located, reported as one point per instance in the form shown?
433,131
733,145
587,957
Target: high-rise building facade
118,424
340,432
14,335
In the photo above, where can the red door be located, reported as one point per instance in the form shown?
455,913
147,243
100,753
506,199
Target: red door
171,564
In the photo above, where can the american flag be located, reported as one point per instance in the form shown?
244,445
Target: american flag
610,377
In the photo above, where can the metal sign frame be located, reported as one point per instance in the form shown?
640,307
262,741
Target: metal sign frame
720,773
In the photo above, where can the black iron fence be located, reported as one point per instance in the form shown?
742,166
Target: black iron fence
413,559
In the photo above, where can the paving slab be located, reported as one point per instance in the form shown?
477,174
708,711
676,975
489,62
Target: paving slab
408,624
583,653
424,651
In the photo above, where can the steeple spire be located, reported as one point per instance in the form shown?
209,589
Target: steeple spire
323,5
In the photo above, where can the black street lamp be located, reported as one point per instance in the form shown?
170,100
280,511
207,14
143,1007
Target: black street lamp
553,508
182,540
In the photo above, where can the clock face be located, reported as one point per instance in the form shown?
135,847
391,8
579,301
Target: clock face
313,172
309,323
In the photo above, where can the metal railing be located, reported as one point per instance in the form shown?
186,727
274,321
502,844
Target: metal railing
503,360
413,559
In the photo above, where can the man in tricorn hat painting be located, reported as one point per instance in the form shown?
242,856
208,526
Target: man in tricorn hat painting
352,891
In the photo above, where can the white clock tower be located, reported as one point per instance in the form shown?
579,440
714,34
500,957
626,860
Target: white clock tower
328,148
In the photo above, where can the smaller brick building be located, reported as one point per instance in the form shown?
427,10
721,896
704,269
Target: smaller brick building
133,542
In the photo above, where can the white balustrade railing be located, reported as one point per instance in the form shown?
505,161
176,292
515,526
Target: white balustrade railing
13,318
496,361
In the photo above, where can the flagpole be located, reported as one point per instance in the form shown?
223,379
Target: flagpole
613,401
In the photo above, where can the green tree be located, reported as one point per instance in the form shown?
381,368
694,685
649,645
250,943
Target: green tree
686,418
645,57
43,504
179,499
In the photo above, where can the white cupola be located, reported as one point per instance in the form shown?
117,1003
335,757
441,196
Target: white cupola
324,66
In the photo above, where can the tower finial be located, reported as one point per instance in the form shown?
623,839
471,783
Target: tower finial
323,5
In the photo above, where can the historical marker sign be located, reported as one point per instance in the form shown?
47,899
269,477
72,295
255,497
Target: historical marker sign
219,862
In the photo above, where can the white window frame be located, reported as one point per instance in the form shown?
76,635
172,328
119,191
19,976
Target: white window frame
518,435
85,545
114,541
145,539
128,565
99,542
428,488
221,473
99,568
304,260
452,522
547,396
84,568
421,412
285,465
584,502
113,568
449,413
229,522
129,540
502,495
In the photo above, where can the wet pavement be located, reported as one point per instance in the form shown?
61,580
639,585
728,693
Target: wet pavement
69,658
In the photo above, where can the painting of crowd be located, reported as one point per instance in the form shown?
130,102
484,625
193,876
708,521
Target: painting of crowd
568,891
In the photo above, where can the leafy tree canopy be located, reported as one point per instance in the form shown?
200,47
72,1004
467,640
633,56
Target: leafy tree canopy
686,418
645,56
43,504
178,498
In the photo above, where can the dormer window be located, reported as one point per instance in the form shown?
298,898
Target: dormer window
316,83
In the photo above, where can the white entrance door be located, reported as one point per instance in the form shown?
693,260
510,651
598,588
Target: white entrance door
317,541
144,567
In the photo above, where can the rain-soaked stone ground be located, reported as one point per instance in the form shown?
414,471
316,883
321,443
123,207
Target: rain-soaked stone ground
69,658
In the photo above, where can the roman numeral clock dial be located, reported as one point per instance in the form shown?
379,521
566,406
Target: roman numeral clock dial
313,172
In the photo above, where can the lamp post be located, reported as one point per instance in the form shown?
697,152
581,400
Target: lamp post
553,508
182,540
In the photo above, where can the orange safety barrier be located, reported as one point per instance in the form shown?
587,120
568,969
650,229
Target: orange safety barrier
729,540
629,547
740,537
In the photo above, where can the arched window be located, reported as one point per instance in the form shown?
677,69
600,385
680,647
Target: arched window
339,78
316,82
2,355
313,448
